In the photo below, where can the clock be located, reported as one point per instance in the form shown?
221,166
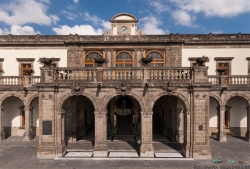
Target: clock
124,30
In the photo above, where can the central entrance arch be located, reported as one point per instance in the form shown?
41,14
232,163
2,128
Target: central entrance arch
123,118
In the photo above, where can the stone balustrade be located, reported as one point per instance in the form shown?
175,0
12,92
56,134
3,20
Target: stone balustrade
19,80
232,80
114,73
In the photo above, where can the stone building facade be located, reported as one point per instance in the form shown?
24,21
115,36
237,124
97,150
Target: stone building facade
171,95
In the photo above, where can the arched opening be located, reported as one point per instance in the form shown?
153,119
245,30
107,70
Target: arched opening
169,131
157,59
123,125
124,59
214,114
236,116
79,120
13,117
34,105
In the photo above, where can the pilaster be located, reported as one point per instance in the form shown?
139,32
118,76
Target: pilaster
200,147
100,148
2,134
180,125
28,123
146,149
47,148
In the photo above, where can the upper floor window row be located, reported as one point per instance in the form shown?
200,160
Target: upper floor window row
125,59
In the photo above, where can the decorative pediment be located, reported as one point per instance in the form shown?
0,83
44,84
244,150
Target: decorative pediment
123,89
77,89
169,88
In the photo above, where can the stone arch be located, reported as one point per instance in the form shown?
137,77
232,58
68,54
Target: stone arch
217,99
237,94
13,94
178,95
109,97
32,98
67,95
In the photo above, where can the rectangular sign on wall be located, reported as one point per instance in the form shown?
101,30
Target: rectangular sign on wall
47,127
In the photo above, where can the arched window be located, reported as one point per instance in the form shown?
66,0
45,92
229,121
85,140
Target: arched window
124,59
89,59
158,60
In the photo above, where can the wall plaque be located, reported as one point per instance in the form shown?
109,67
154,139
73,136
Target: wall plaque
47,127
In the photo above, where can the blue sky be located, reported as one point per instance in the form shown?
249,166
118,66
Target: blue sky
91,17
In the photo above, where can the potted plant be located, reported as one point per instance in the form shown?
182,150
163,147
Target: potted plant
221,70
45,61
28,71
99,61
146,60
201,60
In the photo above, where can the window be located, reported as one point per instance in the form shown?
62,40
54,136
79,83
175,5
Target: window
157,59
25,63
222,66
224,62
124,59
89,59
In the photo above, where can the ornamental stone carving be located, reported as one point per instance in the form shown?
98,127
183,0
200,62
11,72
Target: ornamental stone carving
169,88
123,89
77,89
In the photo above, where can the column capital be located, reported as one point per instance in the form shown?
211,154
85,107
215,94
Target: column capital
100,113
28,108
248,108
180,110
2,108
147,113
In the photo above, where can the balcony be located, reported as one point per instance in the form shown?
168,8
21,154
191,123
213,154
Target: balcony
19,80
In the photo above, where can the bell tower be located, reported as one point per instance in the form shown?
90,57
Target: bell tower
124,24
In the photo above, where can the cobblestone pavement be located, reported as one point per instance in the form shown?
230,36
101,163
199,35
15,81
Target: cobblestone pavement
15,153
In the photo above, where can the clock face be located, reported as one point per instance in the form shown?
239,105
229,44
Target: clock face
124,29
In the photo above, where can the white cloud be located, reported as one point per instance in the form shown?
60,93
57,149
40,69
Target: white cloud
25,30
70,15
97,21
4,31
217,32
221,8
150,25
44,1
76,1
183,18
159,7
19,30
77,29
20,12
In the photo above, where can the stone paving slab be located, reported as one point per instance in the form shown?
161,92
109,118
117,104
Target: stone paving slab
168,155
123,154
18,154
79,154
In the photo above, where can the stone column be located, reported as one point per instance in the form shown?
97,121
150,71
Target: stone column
60,145
112,117
146,149
248,124
2,134
28,121
73,119
222,134
100,148
180,123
